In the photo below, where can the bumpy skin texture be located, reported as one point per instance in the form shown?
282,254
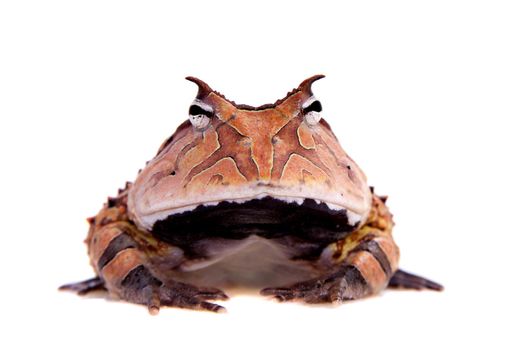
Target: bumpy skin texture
242,154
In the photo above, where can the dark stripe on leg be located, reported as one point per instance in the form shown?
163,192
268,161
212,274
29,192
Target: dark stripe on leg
357,284
139,278
140,286
368,244
121,242
353,275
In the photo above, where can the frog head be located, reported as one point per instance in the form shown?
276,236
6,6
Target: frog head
238,158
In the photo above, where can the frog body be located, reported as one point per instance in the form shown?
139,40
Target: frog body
262,197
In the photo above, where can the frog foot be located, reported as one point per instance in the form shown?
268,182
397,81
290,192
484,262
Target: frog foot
403,279
185,296
142,288
345,284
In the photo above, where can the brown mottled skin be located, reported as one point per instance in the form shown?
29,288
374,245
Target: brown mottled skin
231,160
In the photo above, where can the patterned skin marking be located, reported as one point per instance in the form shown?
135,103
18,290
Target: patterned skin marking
126,260
216,179
305,137
117,244
370,269
101,241
261,148
175,138
231,145
291,144
207,143
370,245
226,167
294,167
377,228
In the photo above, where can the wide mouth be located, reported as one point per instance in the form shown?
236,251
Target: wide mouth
308,220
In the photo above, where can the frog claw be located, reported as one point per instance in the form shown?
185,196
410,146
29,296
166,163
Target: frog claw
211,293
403,279
344,284
212,307
180,295
84,287
279,294
337,291
190,297
330,290
152,295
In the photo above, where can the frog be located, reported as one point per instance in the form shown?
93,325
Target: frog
260,197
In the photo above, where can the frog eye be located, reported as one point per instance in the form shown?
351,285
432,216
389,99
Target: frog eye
200,114
312,111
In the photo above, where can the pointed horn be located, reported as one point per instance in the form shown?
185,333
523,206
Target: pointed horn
306,85
204,88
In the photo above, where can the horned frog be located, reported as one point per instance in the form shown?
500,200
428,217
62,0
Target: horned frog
253,196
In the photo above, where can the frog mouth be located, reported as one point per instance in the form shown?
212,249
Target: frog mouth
268,217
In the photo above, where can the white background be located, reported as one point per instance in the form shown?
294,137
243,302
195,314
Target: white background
428,97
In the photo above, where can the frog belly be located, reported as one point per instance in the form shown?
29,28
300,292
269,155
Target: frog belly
251,262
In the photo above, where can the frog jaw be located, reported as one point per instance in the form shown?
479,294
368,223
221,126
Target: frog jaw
311,222
353,218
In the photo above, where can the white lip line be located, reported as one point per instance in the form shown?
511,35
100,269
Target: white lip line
353,217
244,199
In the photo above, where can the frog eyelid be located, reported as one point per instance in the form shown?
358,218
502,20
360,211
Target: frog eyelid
196,110
198,107
200,114
315,106
312,110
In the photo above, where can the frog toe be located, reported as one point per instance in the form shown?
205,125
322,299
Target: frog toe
85,287
403,279
334,288
280,293
141,287
211,294
191,297
312,292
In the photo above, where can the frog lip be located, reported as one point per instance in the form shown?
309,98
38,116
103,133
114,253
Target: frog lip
149,220
268,217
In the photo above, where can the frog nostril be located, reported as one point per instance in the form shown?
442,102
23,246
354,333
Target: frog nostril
351,174
173,173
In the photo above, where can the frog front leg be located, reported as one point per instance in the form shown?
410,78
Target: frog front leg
363,270
361,264
121,256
